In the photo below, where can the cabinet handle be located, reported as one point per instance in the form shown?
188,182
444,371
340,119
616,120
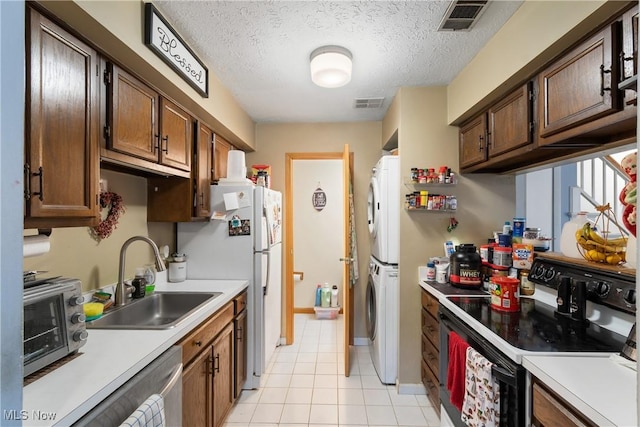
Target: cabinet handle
156,147
202,199
39,174
166,144
624,59
27,181
602,73
488,139
239,334
210,367
480,138
197,343
216,365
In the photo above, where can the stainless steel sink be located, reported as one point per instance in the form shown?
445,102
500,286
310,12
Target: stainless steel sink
160,310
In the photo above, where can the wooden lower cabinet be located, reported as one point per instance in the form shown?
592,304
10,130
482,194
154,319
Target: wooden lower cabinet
240,351
430,364
223,374
550,410
197,392
209,378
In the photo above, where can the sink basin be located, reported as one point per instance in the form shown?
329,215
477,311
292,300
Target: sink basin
156,311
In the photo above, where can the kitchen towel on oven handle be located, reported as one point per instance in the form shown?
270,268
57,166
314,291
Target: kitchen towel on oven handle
481,403
456,369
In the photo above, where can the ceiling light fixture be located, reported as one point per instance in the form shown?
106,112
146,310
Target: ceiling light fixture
331,66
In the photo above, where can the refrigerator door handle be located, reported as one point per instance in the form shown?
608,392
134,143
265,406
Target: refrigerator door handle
268,230
266,285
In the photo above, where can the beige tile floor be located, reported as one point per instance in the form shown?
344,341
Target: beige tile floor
304,385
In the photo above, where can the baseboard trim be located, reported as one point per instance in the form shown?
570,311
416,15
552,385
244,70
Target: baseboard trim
411,388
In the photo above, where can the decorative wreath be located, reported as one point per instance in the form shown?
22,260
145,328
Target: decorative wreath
112,201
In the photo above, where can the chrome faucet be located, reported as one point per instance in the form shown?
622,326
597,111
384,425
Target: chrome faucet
120,299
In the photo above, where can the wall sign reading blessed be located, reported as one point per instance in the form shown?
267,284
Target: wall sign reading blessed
162,39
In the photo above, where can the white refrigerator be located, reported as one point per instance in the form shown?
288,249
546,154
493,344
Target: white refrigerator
243,241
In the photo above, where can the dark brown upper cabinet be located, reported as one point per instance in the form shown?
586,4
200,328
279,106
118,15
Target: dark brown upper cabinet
579,87
495,135
62,127
143,129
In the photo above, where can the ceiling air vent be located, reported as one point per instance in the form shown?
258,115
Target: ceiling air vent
462,15
368,103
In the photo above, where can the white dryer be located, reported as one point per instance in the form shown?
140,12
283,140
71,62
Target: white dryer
382,317
383,210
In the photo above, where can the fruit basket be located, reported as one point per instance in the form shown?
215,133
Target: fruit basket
595,243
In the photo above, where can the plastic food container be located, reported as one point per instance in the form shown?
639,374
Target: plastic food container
329,313
505,294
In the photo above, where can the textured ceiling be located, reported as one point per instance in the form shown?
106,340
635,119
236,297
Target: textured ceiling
260,50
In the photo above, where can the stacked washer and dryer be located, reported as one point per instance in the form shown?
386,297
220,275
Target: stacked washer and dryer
382,302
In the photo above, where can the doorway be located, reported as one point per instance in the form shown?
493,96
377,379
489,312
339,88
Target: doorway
317,241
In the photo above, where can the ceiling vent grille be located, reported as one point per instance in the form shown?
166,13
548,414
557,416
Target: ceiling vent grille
360,103
462,15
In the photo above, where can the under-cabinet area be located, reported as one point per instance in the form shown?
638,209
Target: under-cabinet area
209,341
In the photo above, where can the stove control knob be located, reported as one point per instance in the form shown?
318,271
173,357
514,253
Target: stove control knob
630,296
80,335
538,273
550,274
602,289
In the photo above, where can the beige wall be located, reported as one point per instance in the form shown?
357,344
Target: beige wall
484,203
116,27
537,32
74,253
274,140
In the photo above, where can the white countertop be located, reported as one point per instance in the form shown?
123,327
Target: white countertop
601,389
111,357
604,391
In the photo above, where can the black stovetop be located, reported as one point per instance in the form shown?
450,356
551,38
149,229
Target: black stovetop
536,328
447,289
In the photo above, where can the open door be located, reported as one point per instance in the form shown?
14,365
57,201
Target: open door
347,259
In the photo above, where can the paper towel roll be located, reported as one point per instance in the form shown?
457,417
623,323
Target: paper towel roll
236,166
35,245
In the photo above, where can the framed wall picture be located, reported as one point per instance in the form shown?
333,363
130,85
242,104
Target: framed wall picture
164,41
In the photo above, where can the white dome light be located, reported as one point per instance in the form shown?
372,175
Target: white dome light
331,66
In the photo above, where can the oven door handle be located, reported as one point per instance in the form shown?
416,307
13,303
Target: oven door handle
503,375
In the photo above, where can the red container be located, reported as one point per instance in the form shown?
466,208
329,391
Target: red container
505,293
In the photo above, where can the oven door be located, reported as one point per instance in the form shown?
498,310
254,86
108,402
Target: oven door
510,375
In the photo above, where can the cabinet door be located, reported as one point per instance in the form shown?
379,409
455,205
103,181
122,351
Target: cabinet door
222,374
550,411
132,108
176,136
240,352
197,392
510,122
577,88
62,126
629,54
473,144
202,176
221,150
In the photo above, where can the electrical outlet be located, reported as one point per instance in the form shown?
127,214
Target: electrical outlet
103,185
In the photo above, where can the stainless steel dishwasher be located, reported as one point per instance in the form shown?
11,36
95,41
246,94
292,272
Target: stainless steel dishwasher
162,376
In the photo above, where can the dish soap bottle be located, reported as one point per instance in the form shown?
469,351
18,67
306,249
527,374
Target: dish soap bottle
139,284
568,242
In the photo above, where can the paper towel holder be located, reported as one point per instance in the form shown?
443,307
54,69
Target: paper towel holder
44,232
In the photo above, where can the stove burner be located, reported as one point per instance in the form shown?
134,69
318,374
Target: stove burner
535,328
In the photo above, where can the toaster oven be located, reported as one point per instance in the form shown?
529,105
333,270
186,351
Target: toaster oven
53,322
